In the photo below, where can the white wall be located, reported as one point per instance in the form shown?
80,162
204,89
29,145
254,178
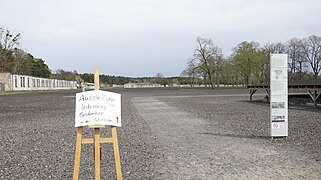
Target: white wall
22,82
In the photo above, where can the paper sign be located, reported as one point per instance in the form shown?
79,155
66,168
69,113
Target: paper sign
98,108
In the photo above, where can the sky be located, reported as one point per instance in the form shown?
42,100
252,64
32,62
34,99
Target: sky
138,38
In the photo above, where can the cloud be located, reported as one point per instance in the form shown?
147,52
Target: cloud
126,35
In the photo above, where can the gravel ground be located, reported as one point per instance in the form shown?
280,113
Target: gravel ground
166,134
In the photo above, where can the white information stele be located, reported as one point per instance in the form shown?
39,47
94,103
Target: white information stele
98,108
279,95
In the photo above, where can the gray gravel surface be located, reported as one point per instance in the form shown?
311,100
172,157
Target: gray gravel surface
166,134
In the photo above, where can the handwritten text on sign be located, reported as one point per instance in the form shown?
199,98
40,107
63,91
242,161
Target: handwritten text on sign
98,108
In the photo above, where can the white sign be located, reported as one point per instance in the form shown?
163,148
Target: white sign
98,108
279,95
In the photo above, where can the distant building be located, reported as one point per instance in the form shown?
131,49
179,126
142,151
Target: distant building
15,82
90,85
172,85
142,85
117,86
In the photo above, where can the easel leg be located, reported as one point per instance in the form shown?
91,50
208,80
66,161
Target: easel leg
97,153
116,153
77,154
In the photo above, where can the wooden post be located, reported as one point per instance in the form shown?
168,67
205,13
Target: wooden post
97,152
96,132
96,78
314,96
268,94
252,91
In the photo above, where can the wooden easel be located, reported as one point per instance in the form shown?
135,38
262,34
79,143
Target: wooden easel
96,141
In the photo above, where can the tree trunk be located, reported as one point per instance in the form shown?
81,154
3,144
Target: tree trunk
210,81
247,80
300,74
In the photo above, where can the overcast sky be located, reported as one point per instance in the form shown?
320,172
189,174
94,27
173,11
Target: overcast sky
145,37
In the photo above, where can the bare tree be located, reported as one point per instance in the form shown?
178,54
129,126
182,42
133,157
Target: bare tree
8,40
296,57
266,51
274,48
207,55
8,43
311,48
160,79
191,71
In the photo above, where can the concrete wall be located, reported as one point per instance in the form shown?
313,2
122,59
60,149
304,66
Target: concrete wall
5,78
118,86
16,82
142,85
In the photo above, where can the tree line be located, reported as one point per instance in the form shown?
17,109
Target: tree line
121,80
16,61
249,62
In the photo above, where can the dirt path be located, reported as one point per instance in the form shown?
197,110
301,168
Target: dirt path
198,149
